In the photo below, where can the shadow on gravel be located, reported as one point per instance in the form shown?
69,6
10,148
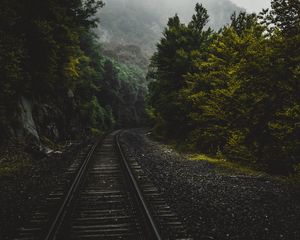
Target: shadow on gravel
215,204
25,182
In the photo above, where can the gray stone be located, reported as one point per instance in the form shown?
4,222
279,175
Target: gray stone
28,123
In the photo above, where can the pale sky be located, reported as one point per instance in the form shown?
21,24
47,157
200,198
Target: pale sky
253,5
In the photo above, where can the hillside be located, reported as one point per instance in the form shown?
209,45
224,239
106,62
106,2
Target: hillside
140,23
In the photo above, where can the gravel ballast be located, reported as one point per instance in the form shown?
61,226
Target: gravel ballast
217,204
26,189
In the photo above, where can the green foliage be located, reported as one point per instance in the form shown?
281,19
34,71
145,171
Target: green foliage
176,53
50,54
234,92
200,19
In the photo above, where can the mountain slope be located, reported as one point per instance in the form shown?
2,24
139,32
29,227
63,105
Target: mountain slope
140,23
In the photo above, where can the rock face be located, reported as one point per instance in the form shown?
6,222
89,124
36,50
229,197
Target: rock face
48,118
28,124
34,120
28,120
37,120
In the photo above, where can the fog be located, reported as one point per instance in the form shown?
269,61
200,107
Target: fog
141,22
219,10
253,5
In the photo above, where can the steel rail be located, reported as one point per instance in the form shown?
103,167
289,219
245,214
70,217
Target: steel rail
62,212
147,214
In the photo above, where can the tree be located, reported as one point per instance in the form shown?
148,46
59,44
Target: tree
173,59
234,92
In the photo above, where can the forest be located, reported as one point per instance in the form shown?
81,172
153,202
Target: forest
56,83
150,119
232,92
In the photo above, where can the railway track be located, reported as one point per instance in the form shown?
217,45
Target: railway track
109,198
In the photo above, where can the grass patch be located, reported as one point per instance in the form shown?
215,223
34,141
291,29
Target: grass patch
226,165
294,178
223,163
12,168
239,168
13,161
50,144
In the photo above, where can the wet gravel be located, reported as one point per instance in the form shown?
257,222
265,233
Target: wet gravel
23,190
216,204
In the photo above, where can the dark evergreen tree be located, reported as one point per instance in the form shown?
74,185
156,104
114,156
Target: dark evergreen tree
235,92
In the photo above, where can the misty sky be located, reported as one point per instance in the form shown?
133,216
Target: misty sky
253,5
